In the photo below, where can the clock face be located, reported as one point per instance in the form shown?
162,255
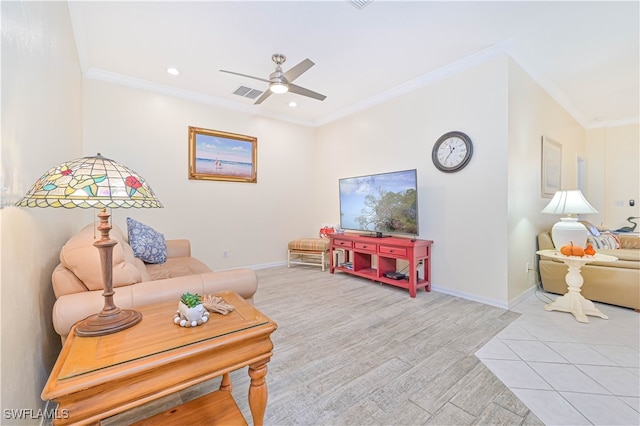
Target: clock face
452,152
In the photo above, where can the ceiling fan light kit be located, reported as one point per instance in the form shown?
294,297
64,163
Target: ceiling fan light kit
278,88
280,82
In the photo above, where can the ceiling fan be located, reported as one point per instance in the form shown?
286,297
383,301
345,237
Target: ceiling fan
280,82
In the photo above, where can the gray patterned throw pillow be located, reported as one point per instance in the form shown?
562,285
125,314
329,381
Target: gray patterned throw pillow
147,243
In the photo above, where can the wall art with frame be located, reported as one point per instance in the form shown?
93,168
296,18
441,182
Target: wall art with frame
217,155
551,175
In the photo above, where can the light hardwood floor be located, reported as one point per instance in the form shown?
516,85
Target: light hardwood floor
349,351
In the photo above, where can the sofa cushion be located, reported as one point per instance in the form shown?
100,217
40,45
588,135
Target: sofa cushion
629,241
81,257
147,243
606,240
177,267
623,255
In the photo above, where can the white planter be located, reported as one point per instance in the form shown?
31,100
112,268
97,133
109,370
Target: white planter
191,314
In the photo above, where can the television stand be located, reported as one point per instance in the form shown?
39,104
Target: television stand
367,257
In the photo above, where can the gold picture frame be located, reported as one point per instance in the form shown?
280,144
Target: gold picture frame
551,173
217,155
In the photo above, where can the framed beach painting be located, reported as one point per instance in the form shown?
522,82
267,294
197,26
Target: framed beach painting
551,167
216,155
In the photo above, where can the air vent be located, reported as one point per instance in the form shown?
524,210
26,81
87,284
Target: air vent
247,92
359,4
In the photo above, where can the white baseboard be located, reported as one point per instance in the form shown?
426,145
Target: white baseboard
259,266
486,300
473,297
519,299
49,407
268,265
469,296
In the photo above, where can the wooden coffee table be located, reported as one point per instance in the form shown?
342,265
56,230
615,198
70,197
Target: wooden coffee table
98,377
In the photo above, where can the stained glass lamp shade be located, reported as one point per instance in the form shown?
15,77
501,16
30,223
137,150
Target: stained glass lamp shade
101,183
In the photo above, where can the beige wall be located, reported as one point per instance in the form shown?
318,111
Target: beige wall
464,213
41,127
613,174
148,132
533,114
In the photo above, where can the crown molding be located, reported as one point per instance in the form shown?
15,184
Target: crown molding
469,62
137,83
464,64
457,67
598,124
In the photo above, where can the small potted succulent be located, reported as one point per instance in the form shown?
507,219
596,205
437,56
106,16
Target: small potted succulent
191,311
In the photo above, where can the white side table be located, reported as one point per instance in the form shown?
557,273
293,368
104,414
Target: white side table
574,302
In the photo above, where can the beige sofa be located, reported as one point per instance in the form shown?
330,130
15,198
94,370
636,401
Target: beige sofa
78,287
615,283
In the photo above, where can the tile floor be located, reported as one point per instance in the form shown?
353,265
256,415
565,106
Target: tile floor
567,372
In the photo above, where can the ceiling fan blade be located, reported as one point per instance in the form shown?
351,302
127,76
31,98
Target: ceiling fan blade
245,75
262,97
306,92
297,70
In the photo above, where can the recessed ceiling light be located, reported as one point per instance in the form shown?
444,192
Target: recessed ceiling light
292,104
173,71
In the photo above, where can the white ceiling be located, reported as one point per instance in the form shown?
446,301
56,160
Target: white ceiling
585,54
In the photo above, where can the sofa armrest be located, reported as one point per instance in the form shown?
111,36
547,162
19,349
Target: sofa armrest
71,308
65,282
178,248
545,242
68,309
243,281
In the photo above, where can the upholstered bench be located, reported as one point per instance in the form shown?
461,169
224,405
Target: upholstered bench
308,251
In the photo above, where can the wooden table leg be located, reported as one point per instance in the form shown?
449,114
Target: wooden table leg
225,384
258,392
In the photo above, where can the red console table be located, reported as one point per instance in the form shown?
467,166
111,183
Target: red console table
374,258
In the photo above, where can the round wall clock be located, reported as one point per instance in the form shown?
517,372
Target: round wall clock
452,152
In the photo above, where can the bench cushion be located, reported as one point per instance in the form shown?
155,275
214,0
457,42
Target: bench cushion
309,244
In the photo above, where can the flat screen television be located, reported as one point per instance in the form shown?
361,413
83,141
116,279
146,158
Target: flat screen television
384,203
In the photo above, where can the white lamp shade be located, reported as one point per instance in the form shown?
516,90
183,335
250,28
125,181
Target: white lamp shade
569,230
569,202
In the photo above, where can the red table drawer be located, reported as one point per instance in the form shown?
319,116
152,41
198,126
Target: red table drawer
366,247
396,251
342,243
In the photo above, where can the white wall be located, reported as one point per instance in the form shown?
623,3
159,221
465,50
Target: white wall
41,127
464,213
148,133
613,175
486,217
532,114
